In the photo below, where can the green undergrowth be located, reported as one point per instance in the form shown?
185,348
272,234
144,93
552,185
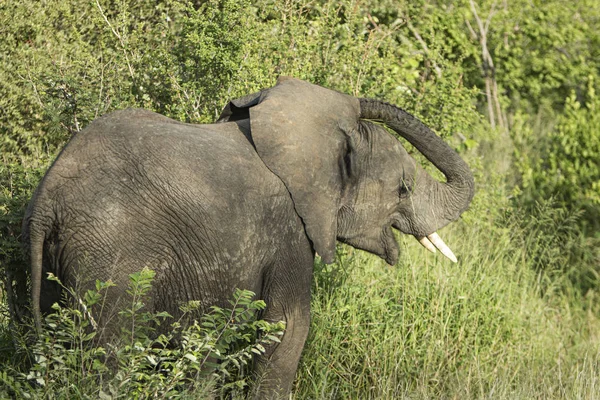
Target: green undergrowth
211,357
486,327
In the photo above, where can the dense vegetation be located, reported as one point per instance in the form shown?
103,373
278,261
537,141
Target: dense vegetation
513,86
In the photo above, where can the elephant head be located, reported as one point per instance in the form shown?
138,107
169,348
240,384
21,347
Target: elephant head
349,178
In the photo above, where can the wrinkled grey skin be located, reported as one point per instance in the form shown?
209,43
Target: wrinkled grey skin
243,203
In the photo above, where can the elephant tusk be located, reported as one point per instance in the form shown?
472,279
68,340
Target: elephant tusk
426,243
441,246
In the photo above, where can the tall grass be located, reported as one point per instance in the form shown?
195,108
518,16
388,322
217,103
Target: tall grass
492,326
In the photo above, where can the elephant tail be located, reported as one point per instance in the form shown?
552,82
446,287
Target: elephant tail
36,245
35,229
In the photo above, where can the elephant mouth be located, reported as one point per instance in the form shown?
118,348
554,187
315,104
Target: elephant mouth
431,242
388,248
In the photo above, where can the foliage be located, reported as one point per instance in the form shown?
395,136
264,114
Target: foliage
67,362
543,59
567,167
511,85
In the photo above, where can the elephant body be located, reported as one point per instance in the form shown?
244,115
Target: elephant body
132,192
242,203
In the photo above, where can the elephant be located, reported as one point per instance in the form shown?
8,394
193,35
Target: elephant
246,202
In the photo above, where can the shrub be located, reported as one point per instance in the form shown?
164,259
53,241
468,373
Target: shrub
211,356
567,168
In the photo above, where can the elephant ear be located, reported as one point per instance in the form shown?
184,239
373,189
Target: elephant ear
238,109
300,131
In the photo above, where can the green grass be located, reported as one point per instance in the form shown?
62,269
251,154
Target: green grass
428,328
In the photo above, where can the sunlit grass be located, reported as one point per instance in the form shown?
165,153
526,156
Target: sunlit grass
428,328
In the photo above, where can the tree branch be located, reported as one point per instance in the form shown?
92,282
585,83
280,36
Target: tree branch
116,33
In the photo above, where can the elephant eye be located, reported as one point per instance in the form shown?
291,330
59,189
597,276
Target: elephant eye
348,163
404,190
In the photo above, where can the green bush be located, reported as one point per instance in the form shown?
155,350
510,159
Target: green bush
567,167
212,355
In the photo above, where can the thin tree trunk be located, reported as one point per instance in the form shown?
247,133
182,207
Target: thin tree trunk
488,95
488,70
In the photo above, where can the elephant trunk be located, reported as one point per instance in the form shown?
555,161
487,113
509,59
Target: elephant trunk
460,187
452,197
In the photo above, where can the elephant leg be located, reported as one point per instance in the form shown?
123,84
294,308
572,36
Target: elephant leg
276,369
290,302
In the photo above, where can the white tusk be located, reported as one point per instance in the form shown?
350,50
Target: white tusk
439,243
426,243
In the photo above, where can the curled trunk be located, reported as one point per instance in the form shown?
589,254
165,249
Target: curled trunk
460,187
